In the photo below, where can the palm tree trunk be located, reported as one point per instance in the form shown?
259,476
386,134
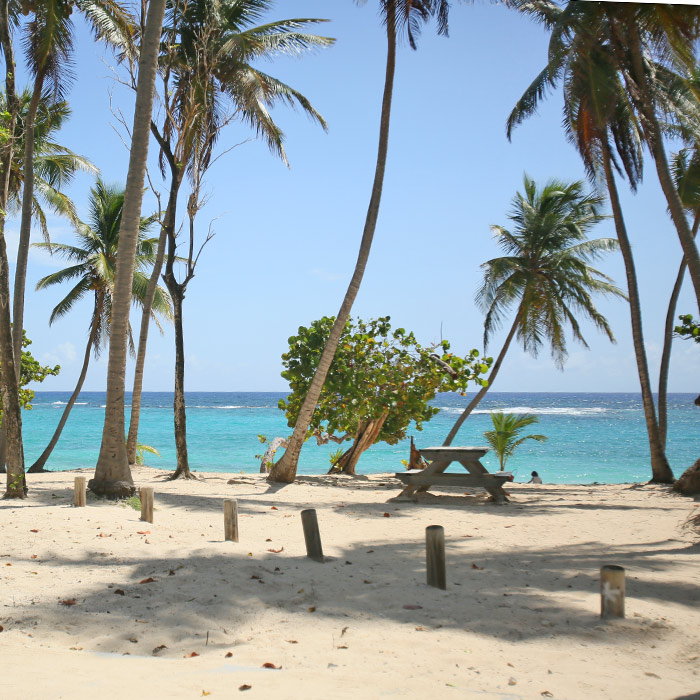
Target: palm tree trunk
482,392
168,224
38,466
177,292
285,470
9,385
665,364
25,227
660,469
112,474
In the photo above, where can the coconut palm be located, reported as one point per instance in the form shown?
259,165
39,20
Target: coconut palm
48,43
93,262
112,474
505,436
601,122
545,276
209,80
9,382
400,17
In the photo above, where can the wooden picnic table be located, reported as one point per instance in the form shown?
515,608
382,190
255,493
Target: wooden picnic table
420,480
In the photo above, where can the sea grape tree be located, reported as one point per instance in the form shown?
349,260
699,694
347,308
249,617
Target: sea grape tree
379,382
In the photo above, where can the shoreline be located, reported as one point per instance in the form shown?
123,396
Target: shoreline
519,619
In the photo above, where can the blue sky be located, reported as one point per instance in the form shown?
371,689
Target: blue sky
286,239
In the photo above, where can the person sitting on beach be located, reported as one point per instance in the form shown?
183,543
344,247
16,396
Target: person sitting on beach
536,479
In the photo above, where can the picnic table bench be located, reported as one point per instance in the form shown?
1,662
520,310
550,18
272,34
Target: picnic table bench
420,480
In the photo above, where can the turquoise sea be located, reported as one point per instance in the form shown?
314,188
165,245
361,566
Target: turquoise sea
592,437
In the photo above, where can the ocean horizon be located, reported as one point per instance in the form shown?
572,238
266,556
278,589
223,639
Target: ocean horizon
592,437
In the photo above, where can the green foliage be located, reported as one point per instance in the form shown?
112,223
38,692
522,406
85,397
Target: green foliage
375,371
689,329
142,449
505,436
133,502
31,371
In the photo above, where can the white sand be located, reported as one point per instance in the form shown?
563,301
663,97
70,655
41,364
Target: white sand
520,617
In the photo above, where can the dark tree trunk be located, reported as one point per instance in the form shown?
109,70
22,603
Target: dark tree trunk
285,470
38,466
177,292
660,469
482,392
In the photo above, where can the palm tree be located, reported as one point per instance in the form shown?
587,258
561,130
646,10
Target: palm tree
505,436
112,473
94,259
545,274
399,16
48,49
686,174
208,81
9,379
600,121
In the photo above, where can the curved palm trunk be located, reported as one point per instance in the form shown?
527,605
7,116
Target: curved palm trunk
660,469
9,386
639,90
285,470
482,392
38,466
367,433
668,343
112,474
25,228
169,224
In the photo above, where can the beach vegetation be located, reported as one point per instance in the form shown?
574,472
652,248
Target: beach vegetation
142,450
381,381
32,371
91,273
400,18
506,434
544,281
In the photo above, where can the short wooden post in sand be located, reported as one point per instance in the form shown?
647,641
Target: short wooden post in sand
231,520
79,498
312,536
612,591
435,556
146,494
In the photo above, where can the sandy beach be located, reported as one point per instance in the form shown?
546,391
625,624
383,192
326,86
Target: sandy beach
96,602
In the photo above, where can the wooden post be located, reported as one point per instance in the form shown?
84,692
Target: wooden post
311,535
79,492
146,494
612,591
231,520
435,556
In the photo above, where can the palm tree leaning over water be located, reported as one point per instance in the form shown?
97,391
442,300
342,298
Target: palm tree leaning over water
399,16
112,473
545,274
601,122
94,261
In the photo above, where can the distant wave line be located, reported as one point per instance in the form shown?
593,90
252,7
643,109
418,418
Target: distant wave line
562,411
